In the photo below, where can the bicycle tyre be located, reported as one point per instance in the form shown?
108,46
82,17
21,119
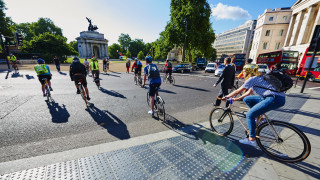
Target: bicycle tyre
48,92
135,80
173,81
83,95
160,108
218,127
148,99
283,128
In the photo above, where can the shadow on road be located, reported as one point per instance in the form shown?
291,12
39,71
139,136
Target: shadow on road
62,73
108,74
16,75
58,113
166,91
306,168
112,93
110,122
193,88
29,77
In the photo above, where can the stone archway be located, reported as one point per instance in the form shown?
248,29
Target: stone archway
96,52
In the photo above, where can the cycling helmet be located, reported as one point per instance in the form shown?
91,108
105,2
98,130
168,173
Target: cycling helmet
148,59
250,68
40,61
75,59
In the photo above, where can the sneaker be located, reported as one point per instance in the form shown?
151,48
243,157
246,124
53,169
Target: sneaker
214,104
78,91
246,141
151,112
44,95
88,98
50,88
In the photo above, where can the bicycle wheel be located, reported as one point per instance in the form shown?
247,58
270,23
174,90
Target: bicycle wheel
160,108
48,92
83,95
173,82
289,145
164,78
221,121
135,80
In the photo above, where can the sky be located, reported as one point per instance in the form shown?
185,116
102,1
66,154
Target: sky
141,19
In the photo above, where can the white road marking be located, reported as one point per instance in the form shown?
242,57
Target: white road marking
314,88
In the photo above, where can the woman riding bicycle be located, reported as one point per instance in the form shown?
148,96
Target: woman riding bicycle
265,101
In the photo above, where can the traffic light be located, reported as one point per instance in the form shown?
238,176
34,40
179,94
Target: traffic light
19,39
9,41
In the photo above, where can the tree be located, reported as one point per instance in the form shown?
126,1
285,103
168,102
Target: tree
136,46
6,24
128,54
140,55
74,44
124,40
113,50
48,45
191,16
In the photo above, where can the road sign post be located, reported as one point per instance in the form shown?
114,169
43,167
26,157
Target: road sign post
314,46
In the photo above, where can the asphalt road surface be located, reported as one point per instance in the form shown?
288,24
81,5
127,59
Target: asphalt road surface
31,126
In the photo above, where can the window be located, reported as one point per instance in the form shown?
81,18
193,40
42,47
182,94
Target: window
284,18
268,33
281,32
271,18
265,45
277,45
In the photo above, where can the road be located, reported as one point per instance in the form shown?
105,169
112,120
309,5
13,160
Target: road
31,126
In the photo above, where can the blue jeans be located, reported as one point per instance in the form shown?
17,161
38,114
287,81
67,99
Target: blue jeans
260,105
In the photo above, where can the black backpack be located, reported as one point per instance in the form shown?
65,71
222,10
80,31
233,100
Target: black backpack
279,80
169,65
153,71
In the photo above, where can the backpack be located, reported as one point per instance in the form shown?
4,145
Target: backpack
139,64
279,80
41,69
76,67
169,65
153,71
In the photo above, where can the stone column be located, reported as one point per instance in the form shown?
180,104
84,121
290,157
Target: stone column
306,25
317,21
296,29
290,29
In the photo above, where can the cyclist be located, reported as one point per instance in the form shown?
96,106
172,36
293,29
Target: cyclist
151,71
108,63
78,72
137,66
265,101
86,64
43,71
94,67
104,64
57,63
168,68
13,60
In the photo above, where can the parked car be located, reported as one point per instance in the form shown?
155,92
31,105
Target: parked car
219,70
129,59
263,68
182,68
211,67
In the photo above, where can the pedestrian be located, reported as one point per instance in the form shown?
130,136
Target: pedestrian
57,63
128,66
227,81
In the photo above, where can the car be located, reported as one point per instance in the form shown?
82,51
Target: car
263,68
219,70
129,59
182,68
211,67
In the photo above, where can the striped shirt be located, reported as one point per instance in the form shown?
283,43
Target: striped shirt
259,81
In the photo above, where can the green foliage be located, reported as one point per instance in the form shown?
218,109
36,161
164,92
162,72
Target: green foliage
147,48
48,45
128,53
192,15
136,46
140,55
113,51
124,40
74,45
6,24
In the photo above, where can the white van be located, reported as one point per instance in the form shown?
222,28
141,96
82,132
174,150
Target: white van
211,67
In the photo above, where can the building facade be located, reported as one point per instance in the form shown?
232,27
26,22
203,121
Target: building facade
270,32
237,40
92,43
305,17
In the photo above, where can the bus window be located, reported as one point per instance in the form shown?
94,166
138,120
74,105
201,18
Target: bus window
317,68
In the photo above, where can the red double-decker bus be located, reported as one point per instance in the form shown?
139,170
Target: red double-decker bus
287,59
238,60
304,65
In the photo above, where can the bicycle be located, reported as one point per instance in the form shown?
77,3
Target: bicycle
271,135
167,78
46,89
82,92
158,105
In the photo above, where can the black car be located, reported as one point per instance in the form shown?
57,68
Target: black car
182,68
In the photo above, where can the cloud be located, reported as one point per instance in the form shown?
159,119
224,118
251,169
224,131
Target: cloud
222,11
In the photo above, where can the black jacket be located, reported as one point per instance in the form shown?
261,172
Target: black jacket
227,77
77,67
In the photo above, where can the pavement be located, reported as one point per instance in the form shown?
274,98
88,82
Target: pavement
186,150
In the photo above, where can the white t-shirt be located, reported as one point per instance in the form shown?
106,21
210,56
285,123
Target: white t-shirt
86,63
